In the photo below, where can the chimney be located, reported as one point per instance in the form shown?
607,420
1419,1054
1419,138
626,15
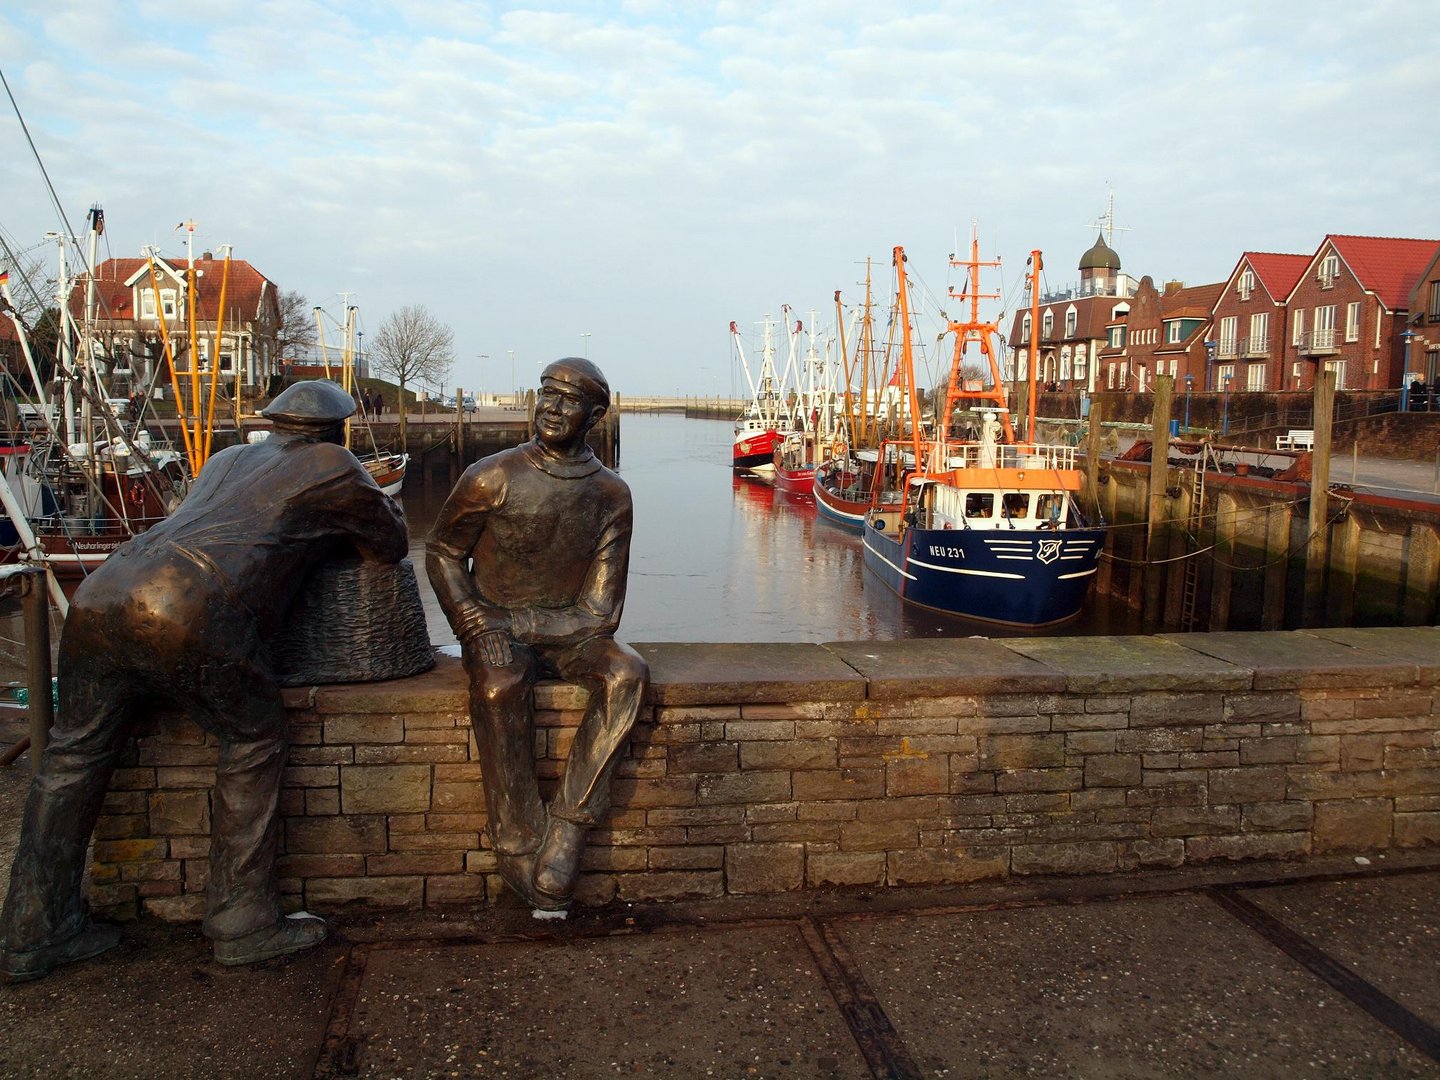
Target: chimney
1172,287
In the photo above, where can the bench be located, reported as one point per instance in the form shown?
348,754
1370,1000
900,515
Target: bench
1296,439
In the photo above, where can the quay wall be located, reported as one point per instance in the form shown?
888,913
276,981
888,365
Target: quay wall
761,769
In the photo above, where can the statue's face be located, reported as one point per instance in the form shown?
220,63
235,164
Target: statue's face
562,415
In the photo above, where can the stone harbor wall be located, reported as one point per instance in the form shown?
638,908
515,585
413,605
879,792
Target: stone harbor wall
772,768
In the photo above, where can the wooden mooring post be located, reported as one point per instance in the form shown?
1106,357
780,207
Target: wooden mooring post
1156,528
1317,545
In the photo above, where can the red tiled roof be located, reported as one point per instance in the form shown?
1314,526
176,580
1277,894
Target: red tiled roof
244,290
1194,302
1387,266
1277,272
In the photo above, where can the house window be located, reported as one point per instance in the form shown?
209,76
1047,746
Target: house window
1338,367
1070,323
1329,271
147,303
1124,375
167,302
1435,301
1352,321
1229,326
1297,327
1172,331
1255,377
1080,362
1323,336
1259,334
1117,336
1025,330
1246,285
1047,325
1225,376
1110,376
227,362
1065,364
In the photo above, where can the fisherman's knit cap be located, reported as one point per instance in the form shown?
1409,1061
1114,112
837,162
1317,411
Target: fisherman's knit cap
314,403
580,373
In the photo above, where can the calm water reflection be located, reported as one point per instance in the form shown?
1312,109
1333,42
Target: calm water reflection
720,558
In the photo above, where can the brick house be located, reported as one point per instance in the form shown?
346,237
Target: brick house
130,308
1160,334
1421,355
1248,323
1348,311
1073,321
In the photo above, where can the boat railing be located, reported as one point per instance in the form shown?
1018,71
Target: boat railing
1009,456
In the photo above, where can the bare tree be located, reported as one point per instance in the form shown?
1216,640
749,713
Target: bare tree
297,325
412,345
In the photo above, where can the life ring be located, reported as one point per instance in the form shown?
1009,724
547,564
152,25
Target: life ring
838,450
137,493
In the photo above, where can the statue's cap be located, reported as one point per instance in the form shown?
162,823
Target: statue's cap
580,373
313,403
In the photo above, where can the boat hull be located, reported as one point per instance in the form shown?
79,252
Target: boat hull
1013,577
755,451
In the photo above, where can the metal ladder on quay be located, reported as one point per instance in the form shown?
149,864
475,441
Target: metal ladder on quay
1192,563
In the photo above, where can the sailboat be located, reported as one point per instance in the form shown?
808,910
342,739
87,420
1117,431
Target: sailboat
988,526
81,475
386,467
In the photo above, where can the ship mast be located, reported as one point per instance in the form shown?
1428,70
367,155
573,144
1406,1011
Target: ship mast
982,334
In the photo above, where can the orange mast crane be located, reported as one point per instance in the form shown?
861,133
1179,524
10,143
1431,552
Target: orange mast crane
982,334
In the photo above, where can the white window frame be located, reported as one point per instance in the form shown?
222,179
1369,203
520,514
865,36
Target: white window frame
1352,321
1338,366
1072,321
1255,377
1329,270
1025,329
1229,331
1172,331
147,303
1323,334
1047,326
1297,328
1260,334
1246,285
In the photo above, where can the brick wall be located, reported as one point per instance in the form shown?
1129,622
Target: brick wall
770,768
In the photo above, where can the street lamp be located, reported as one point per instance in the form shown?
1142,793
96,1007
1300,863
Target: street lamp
1225,421
1189,385
1209,363
585,343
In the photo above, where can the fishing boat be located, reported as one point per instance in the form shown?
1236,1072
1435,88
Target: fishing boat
768,417
849,475
81,474
987,527
386,467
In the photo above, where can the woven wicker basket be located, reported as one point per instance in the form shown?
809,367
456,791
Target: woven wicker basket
354,621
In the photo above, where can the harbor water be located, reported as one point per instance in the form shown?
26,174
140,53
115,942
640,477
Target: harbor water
716,557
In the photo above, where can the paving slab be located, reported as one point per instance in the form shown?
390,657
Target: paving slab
943,667
727,1002
1160,986
1386,930
1120,664
1296,659
158,1005
1418,645
746,673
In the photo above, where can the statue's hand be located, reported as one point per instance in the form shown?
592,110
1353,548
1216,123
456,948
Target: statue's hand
493,646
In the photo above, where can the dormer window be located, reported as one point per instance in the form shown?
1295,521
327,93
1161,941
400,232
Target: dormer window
1329,270
1025,330
1070,323
1047,325
1246,284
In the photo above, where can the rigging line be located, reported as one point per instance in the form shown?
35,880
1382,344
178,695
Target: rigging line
25,128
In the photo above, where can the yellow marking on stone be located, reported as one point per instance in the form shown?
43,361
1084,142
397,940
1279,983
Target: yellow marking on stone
905,751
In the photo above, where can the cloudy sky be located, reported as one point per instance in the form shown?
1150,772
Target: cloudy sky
624,179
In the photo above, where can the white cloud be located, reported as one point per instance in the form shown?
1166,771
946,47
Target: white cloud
649,171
